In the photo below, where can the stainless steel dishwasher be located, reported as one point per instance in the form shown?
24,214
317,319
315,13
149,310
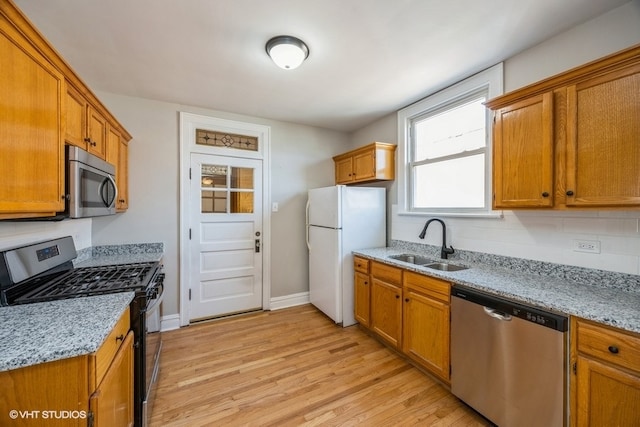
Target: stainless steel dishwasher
508,361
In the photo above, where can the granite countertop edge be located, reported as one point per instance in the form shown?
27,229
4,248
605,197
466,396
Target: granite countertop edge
49,331
55,330
609,306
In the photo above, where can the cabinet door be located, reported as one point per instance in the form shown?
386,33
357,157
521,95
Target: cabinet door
112,402
364,165
523,154
362,298
123,176
75,118
117,156
344,170
603,135
31,135
386,311
426,332
606,396
96,133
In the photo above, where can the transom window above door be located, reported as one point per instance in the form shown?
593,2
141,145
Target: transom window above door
226,189
220,139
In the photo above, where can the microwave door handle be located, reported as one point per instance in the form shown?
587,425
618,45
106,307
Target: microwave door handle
106,202
115,191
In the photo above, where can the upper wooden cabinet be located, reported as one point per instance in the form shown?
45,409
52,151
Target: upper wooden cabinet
43,104
603,140
524,170
85,126
373,162
117,154
31,144
571,141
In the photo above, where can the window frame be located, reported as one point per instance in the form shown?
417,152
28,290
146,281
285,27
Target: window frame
490,80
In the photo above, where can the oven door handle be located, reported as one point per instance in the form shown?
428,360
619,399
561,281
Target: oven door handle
158,299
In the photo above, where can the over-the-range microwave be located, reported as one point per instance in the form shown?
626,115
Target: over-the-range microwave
90,185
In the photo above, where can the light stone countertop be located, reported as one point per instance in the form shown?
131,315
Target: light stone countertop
119,254
48,331
616,305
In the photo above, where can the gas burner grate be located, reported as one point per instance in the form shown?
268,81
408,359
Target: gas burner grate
98,280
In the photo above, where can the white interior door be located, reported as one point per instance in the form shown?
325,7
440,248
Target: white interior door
226,235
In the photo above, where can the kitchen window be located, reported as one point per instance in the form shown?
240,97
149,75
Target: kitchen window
445,149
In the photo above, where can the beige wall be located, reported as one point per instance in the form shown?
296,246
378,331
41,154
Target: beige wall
546,236
300,159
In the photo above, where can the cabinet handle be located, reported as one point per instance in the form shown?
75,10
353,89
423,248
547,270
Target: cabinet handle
406,300
613,349
87,140
120,338
545,194
569,193
397,296
366,283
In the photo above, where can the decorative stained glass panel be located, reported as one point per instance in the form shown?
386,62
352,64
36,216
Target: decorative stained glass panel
229,140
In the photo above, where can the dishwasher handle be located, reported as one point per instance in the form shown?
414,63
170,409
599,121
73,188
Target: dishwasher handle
500,315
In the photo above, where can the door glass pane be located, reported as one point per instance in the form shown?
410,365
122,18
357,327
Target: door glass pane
241,202
242,178
214,201
214,176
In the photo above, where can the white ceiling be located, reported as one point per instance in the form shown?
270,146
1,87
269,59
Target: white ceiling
367,58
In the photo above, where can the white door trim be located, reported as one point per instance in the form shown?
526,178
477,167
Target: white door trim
188,124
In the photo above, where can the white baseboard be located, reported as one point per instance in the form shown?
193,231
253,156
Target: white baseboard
170,322
292,300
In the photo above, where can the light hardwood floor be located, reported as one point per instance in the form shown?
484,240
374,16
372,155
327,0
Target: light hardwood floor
294,367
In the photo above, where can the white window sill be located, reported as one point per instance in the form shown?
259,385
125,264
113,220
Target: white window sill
487,215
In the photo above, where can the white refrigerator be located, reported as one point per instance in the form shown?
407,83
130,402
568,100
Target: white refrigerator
341,219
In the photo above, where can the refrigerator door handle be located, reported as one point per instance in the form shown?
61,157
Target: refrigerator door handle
307,225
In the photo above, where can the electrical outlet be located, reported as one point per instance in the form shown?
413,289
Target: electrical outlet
590,246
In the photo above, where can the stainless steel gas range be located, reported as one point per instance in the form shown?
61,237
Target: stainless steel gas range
44,271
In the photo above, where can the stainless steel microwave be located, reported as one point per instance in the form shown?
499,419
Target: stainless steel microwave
91,185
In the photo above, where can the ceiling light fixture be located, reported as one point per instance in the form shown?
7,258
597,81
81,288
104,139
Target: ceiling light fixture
287,52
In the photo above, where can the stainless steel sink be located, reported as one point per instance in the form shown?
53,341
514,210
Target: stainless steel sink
427,262
442,266
412,259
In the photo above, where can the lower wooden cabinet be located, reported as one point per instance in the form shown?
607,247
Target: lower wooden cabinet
89,390
605,385
426,323
362,291
112,402
386,302
409,311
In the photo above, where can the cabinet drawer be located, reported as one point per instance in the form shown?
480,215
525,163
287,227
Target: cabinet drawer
109,348
611,345
434,288
386,273
361,264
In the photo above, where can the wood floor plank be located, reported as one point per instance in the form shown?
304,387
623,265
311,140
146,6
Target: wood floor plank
294,367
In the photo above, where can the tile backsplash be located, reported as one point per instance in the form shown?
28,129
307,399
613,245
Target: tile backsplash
14,234
549,236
